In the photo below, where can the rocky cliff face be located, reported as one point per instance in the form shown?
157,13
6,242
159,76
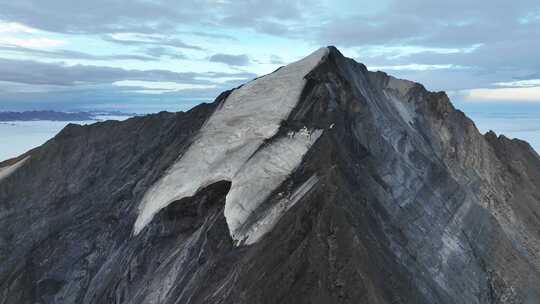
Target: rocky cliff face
320,183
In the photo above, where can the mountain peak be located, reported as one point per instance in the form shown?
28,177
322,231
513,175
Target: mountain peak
322,181
228,147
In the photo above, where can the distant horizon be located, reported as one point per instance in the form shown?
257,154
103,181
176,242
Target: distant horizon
522,122
150,109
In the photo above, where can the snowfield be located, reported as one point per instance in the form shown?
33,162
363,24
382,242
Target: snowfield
227,148
7,171
258,178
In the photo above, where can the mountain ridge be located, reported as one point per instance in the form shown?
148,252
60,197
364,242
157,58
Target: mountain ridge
399,200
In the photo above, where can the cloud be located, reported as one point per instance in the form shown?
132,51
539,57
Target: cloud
31,42
67,54
456,45
105,97
415,67
154,53
95,17
520,83
26,84
233,60
275,59
14,27
139,16
149,39
428,23
527,94
159,52
151,87
38,73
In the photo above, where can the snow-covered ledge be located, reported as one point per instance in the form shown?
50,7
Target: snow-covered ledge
8,170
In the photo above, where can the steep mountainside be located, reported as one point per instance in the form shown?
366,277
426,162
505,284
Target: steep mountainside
319,183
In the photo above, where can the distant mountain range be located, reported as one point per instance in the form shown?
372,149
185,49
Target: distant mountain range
56,116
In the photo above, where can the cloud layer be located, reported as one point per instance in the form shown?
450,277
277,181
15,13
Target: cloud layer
477,50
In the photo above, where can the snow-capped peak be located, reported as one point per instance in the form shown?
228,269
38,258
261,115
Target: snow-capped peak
227,148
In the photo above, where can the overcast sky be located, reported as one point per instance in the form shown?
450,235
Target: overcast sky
147,55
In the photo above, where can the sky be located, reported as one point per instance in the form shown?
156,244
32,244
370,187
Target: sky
148,55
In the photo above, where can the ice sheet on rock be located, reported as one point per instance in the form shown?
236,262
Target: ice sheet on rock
250,115
271,216
7,171
256,180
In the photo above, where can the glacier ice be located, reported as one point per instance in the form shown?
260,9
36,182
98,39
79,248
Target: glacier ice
8,170
258,178
254,231
225,146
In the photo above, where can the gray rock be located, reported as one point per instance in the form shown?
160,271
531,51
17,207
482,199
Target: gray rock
412,205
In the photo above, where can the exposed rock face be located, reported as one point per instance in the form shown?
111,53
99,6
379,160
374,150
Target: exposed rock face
397,198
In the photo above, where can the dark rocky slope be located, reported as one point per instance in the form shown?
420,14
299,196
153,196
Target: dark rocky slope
411,204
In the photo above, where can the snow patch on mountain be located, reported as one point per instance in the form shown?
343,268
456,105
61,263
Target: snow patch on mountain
271,216
258,178
231,136
7,171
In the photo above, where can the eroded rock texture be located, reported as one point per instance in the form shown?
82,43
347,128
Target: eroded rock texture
399,200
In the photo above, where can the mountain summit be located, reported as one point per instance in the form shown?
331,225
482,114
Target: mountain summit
322,182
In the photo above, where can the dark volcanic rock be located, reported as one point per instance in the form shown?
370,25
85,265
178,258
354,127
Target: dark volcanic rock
399,200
